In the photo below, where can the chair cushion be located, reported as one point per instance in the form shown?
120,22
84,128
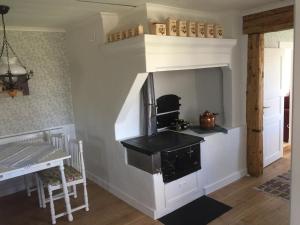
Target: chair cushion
52,176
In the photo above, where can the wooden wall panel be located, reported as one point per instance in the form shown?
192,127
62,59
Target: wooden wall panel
255,91
269,21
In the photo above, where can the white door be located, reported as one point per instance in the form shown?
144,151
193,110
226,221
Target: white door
273,105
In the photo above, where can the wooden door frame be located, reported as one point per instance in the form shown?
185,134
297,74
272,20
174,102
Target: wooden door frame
255,26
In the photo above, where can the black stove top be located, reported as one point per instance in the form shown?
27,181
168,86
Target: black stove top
162,141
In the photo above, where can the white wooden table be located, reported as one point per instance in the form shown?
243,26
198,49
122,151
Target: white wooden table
18,159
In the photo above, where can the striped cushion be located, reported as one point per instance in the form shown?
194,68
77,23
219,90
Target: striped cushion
52,176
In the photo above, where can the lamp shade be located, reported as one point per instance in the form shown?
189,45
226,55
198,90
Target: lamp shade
15,68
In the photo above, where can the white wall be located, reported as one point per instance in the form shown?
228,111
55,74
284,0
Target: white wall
295,194
210,96
235,79
100,88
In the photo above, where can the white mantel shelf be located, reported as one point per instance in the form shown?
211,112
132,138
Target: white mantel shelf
167,53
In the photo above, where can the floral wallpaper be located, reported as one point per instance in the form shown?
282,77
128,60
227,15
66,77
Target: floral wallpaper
49,103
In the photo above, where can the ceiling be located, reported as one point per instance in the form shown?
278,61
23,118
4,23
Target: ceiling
60,13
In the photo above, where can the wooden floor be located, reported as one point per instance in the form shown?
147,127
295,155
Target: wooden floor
250,207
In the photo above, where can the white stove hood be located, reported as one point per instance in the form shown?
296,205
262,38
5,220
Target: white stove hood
167,53
150,53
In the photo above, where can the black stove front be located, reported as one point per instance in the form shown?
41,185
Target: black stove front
178,163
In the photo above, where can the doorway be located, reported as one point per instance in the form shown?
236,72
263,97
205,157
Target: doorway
255,26
277,112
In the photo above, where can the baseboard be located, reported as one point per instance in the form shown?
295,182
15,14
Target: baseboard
225,181
121,195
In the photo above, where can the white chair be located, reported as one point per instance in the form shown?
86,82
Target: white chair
56,139
75,174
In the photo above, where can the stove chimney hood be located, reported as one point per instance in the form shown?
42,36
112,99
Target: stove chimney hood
168,53
140,56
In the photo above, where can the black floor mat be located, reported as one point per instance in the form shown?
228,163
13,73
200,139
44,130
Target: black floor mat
199,212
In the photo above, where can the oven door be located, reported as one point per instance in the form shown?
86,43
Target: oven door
180,162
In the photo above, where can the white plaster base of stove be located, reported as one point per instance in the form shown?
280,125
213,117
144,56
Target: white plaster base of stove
155,214
224,182
120,194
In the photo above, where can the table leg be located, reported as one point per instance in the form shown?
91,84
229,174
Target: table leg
66,193
38,189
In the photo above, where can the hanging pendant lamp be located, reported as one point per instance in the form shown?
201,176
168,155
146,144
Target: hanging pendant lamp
13,73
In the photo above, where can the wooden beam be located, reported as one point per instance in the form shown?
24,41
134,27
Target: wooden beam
269,21
254,116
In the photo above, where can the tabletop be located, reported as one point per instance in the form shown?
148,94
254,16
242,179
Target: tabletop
24,155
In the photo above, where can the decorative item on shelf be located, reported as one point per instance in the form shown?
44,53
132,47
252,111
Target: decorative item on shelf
110,38
139,30
118,36
218,31
182,28
171,27
207,120
125,34
121,35
14,75
131,32
200,30
159,29
191,29
209,30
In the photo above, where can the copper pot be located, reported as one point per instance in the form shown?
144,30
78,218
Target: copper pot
207,120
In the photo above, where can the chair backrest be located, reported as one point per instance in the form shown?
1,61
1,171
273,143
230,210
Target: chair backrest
75,149
58,140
